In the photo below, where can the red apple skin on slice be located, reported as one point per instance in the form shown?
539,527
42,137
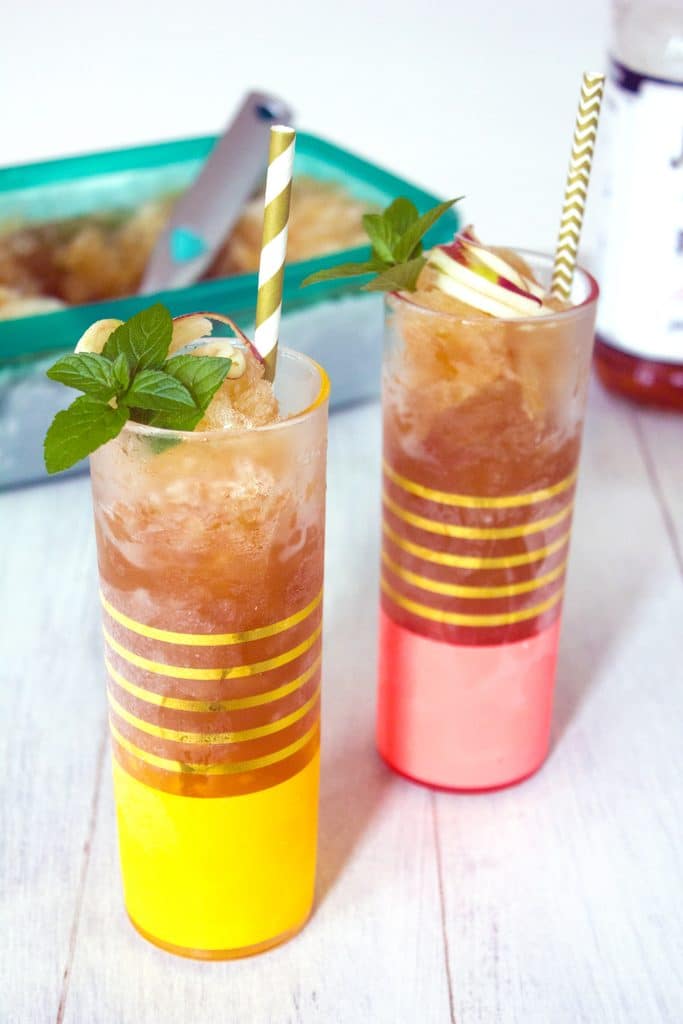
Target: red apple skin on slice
485,271
472,284
504,261
510,271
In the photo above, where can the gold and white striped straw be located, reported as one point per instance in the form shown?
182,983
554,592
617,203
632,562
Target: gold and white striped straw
274,244
578,177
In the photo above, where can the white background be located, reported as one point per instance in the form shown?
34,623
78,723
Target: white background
467,96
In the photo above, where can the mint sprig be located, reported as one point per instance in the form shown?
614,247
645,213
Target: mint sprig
131,378
396,239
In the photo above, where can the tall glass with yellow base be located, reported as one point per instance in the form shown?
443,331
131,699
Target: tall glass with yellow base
210,550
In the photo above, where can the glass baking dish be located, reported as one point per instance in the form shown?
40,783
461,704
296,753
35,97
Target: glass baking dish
326,320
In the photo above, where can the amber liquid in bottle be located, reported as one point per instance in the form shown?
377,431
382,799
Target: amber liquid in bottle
647,381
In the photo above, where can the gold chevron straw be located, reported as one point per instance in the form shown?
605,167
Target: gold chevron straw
578,177
274,244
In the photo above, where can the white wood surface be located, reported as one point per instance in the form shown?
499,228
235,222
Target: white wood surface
555,901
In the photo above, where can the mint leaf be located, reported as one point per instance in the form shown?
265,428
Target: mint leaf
121,371
372,266
87,372
202,376
396,236
79,430
410,240
144,339
157,390
401,278
382,236
386,229
400,215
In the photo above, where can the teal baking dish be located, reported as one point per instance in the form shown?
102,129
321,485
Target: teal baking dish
321,320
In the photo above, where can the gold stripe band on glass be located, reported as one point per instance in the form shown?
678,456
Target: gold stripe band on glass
232,672
474,561
425,611
225,768
233,704
236,736
476,532
471,500
211,639
457,590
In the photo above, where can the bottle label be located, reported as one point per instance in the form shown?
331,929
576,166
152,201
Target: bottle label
640,251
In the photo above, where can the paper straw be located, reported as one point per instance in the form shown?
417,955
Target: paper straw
274,244
578,177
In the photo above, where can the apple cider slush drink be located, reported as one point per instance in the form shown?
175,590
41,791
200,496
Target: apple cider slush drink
209,491
484,387
484,392
486,363
209,515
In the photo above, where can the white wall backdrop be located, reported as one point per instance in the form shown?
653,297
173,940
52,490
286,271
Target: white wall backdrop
473,96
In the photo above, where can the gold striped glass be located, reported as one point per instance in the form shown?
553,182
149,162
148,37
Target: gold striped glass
210,550
482,430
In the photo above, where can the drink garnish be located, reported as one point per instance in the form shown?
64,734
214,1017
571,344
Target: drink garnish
396,238
465,269
130,371
482,278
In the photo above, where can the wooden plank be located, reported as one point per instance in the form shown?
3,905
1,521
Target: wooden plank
661,435
51,701
373,950
562,901
563,898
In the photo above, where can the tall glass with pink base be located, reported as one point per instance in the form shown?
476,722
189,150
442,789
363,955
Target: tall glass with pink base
482,431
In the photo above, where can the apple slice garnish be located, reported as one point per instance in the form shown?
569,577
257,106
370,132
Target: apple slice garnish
194,326
505,276
95,337
497,263
485,282
188,328
481,288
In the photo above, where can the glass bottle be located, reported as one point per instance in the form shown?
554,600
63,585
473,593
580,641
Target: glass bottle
639,348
